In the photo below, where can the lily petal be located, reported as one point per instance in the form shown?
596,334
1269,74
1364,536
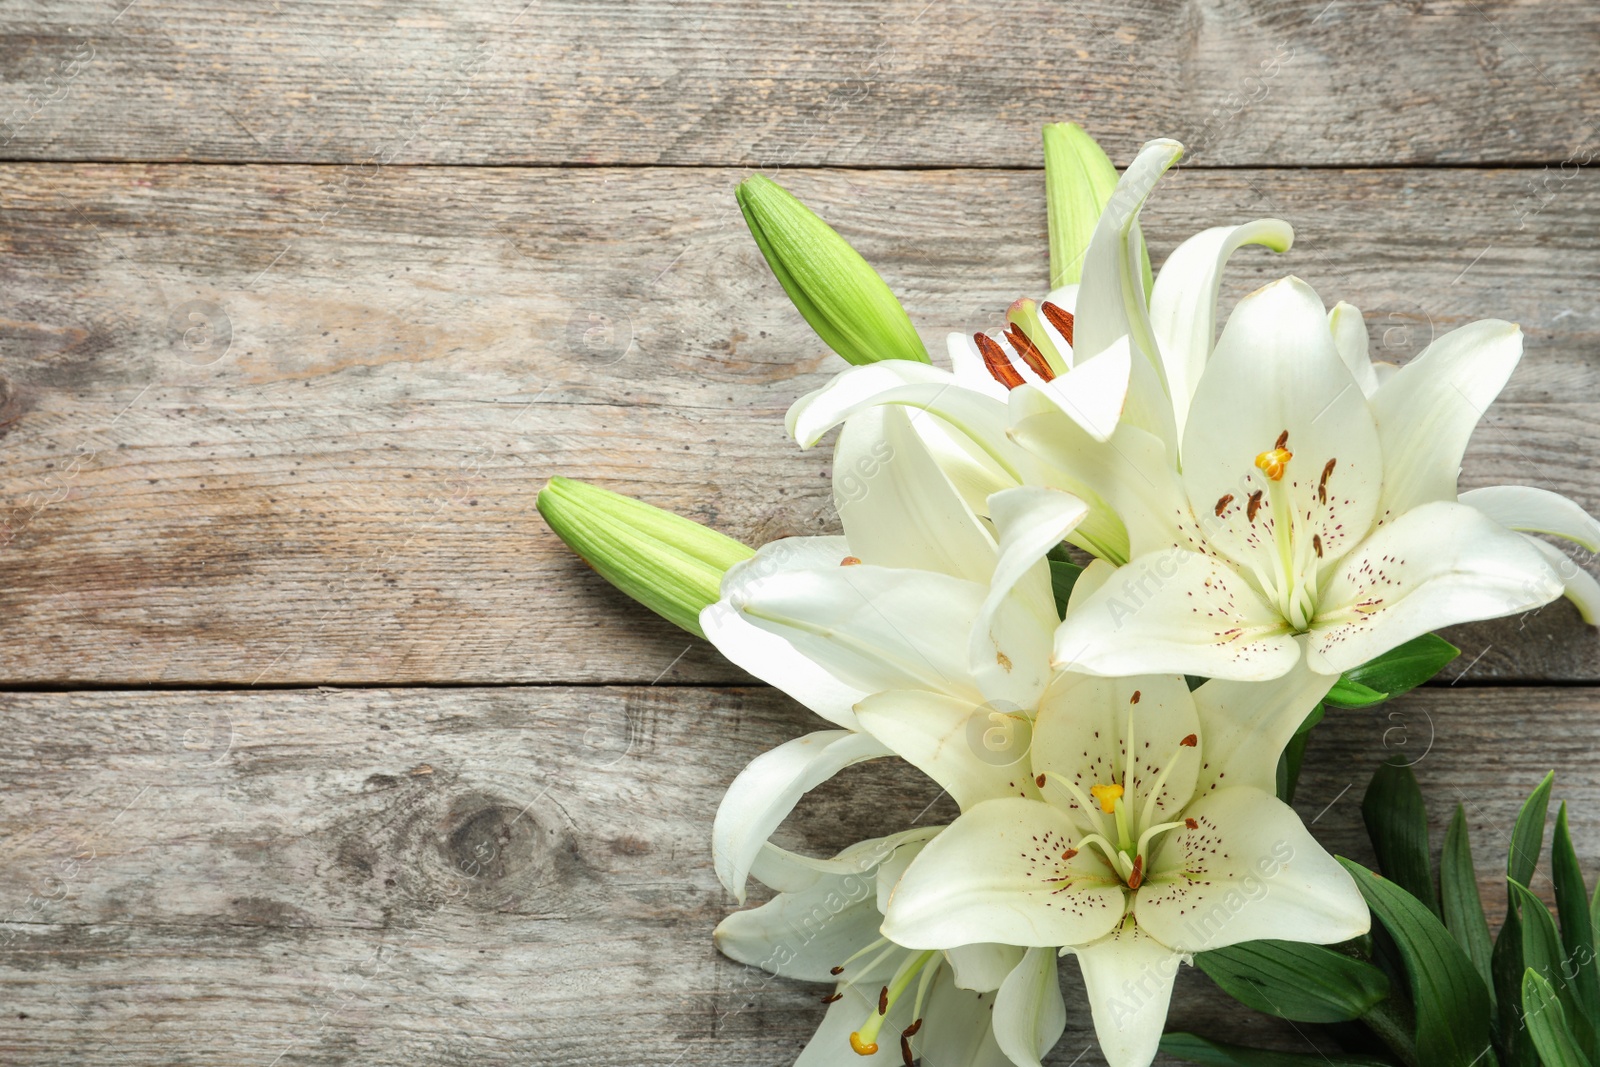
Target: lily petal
1094,393
804,935
1083,736
874,628
1128,976
1130,472
983,968
790,872
996,874
1249,870
897,507
1437,565
956,1029
1176,612
1011,639
767,790
1349,331
1429,408
947,739
1183,304
1246,725
1581,588
1029,1016
1529,510
900,381
1111,300
767,655
1276,380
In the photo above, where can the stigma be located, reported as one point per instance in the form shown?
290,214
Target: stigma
1107,795
1274,462
861,1046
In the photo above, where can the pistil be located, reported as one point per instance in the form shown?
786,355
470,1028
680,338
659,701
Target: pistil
865,1040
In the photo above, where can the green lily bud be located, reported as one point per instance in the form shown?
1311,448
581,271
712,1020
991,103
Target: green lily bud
837,291
671,565
1078,181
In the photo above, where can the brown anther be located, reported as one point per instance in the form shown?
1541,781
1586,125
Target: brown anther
1039,780
1316,543
831,997
1069,853
905,1051
1029,352
1254,506
1135,697
850,561
1191,824
994,358
1059,317
1322,486
1223,502
1283,439
1136,876
883,1001
1189,742
911,1031
836,970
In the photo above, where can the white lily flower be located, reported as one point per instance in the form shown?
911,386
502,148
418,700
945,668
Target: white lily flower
1300,514
1094,351
1157,836
1470,372
978,1006
923,632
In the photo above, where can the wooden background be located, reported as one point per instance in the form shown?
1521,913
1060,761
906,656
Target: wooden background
320,749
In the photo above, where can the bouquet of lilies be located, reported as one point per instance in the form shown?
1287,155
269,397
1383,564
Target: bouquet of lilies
1097,579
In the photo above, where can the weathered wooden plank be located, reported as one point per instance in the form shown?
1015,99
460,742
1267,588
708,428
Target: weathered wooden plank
277,425
202,877
830,83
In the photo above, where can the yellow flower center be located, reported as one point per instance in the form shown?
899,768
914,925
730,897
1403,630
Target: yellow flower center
1107,795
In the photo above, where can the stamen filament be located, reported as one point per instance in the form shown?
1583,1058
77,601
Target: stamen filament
1159,828
1107,849
881,941
1155,791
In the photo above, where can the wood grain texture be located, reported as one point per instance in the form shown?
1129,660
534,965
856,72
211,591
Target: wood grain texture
901,83
517,875
279,426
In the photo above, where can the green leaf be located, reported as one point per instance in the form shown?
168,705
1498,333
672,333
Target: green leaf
1541,945
1294,754
1541,953
1507,967
1197,1049
1451,1002
1577,926
1397,823
1063,576
1547,1024
1078,182
1508,961
1352,694
1527,837
1291,980
838,292
1405,667
1463,907
671,565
